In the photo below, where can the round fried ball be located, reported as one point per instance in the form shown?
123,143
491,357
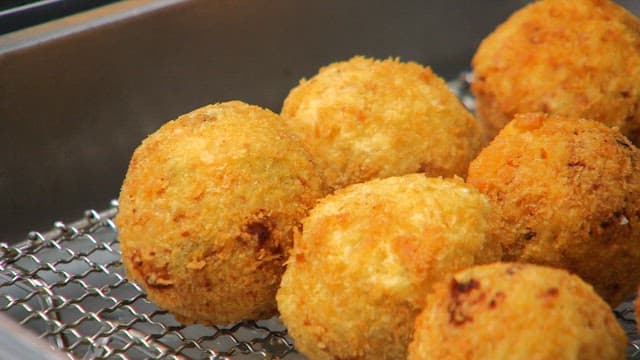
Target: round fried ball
368,254
568,57
567,192
363,119
516,311
208,209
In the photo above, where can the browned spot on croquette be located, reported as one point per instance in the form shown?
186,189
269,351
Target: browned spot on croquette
136,260
260,230
460,291
463,287
543,154
551,292
577,163
530,234
496,299
624,143
154,276
179,217
157,277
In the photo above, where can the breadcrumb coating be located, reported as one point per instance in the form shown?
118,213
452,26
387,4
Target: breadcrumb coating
368,254
516,311
363,119
568,57
567,194
208,209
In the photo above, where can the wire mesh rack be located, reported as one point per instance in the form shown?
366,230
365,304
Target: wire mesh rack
68,286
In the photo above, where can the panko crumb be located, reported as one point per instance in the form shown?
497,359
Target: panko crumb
208,209
567,194
364,119
516,311
576,58
368,255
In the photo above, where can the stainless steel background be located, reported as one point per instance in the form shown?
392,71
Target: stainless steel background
77,95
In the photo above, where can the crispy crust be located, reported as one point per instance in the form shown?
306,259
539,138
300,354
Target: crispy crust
207,212
367,256
363,119
516,311
568,57
567,194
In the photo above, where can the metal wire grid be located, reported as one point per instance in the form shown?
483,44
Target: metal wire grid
626,317
68,286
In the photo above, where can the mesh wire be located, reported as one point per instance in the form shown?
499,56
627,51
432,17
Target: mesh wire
68,286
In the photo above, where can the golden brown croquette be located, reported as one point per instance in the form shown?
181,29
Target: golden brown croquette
516,311
363,119
569,57
368,254
208,209
567,192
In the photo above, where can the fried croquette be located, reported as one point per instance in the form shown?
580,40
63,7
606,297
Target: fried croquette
363,119
516,311
568,57
358,274
567,194
208,209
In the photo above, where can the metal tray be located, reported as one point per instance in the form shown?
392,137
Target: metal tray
78,94
68,286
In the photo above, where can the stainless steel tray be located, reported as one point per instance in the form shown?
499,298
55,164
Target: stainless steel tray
68,286
78,94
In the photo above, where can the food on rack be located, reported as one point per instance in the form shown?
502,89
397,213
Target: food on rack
567,194
368,254
208,209
363,119
516,311
568,57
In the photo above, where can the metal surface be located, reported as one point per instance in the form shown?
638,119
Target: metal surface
15,14
77,95
68,286
18,342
